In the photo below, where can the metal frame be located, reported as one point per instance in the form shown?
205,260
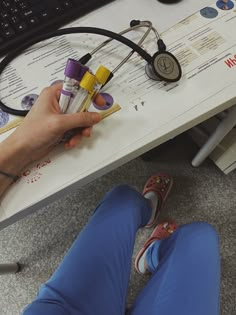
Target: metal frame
10,268
224,127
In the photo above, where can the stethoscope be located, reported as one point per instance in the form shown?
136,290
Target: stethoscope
162,66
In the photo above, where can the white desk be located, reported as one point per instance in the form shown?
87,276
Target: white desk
114,141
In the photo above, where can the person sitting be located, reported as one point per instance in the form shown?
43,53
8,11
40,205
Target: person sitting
183,262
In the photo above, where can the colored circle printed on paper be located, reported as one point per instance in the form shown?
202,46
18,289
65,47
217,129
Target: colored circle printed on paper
4,118
109,102
28,101
225,4
209,12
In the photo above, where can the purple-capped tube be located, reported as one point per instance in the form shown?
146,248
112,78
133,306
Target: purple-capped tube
74,72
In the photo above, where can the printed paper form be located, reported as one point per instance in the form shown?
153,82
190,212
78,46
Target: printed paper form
156,96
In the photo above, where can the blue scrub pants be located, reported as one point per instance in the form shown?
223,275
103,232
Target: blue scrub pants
93,277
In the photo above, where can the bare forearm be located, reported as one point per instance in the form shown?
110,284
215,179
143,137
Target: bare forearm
40,131
13,158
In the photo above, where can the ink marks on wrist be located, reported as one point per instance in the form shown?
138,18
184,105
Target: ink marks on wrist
33,175
4,118
28,101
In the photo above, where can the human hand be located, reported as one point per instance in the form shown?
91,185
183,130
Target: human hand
44,126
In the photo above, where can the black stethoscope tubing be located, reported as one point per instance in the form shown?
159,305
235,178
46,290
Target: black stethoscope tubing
72,30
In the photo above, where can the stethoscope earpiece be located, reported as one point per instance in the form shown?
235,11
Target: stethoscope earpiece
134,23
161,45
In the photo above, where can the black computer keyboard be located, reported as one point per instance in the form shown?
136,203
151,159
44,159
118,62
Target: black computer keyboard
23,19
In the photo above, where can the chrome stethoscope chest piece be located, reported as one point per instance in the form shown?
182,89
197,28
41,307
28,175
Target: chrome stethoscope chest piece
150,72
165,66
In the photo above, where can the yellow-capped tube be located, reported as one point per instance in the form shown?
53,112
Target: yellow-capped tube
102,74
82,99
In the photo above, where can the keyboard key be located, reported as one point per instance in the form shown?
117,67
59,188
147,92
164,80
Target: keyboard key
33,20
4,24
23,5
66,4
6,4
45,15
8,32
37,9
21,26
4,14
58,8
13,10
27,13
14,19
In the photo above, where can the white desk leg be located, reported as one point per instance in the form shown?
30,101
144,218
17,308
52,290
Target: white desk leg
9,268
221,131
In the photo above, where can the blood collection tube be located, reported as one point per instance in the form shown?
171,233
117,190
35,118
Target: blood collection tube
74,72
82,99
102,74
